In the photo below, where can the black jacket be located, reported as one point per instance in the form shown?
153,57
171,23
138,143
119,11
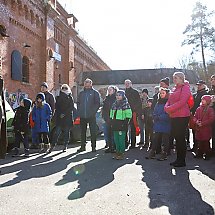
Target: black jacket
50,99
133,97
107,104
197,99
64,110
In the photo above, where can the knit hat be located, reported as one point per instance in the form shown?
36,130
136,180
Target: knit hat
40,96
27,103
44,84
145,91
207,98
150,100
165,80
121,93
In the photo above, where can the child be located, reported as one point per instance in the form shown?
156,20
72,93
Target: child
120,114
41,115
21,126
162,126
204,118
148,120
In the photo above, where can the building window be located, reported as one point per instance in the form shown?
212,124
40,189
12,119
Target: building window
16,65
25,69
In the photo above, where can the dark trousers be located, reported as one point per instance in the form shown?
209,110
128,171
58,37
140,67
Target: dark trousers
66,135
213,137
179,126
160,139
148,133
21,138
92,124
133,132
43,137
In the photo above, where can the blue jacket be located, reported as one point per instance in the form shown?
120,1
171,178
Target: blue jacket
42,115
161,119
88,103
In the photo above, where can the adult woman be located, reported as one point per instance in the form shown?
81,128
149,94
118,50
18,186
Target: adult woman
64,116
107,104
179,112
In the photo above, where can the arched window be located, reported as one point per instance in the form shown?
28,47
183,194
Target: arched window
16,65
25,69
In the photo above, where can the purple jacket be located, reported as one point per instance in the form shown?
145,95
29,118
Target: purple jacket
176,105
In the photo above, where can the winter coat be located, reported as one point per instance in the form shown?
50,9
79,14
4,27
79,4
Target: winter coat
148,116
50,99
120,114
177,105
107,104
197,99
3,129
207,117
134,100
21,118
162,123
41,116
64,110
88,103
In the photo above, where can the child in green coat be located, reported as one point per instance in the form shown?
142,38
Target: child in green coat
120,114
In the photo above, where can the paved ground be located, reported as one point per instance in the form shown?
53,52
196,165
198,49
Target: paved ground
93,183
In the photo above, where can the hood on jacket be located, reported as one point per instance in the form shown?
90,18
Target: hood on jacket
27,103
207,98
41,96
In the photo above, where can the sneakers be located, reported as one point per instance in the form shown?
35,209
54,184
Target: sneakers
82,149
151,154
163,156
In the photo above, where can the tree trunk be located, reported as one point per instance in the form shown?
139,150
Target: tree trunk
203,58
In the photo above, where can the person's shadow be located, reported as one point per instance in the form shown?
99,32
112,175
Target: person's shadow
93,174
173,188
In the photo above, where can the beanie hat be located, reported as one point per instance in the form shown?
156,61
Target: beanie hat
40,96
207,98
165,80
44,84
121,93
150,100
145,91
27,103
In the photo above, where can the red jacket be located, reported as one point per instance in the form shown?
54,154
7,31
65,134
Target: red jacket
206,116
176,105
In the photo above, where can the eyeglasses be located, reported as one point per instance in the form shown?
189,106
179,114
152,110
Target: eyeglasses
64,88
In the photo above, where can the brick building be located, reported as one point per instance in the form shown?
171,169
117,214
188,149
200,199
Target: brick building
39,42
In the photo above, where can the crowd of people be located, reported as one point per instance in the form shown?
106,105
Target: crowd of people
162,121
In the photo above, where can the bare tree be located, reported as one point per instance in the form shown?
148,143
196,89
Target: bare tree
199,33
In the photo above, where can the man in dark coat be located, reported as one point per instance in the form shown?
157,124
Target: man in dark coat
88,104
133,97
50,99
212,92
201,91
3,130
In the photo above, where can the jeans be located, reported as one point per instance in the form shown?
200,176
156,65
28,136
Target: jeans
66,135
108,135
92,124
179,126
142,130
34,136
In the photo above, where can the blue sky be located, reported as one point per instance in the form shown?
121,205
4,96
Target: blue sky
135,34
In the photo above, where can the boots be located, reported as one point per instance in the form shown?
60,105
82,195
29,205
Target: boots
163,156
151,154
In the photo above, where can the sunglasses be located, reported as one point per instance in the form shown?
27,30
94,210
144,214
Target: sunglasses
64,88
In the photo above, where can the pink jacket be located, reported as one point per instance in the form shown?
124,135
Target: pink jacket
206,115
176,105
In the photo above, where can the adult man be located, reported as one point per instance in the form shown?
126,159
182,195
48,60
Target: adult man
50,99
3,131
212,92
88,103
201,91
135,103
